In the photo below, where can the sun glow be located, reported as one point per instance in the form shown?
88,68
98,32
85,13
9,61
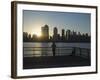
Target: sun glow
35,28
37,33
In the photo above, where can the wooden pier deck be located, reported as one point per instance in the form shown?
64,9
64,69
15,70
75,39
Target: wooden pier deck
54,61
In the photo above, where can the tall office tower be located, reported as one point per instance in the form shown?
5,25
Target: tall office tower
68,34
74,35
63,34
45,32
79,36
55,33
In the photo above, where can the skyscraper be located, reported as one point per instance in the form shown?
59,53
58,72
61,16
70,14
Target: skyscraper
74,36
68,34
45,32
55,33
63,34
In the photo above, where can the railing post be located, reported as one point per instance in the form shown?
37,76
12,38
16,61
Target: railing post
88,53
80,51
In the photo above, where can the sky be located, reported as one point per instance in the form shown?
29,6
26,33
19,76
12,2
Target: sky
34,20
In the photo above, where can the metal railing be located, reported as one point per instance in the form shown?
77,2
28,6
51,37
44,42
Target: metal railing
47,51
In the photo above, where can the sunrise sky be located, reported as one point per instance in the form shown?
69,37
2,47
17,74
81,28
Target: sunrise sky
34,20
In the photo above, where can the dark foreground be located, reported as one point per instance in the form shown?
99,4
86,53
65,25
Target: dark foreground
57,61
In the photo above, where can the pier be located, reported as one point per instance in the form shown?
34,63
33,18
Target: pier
64,57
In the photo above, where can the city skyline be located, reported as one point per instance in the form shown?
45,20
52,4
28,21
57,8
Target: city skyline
65,36
34,20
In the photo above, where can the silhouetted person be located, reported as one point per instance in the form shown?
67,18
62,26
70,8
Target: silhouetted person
53,48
